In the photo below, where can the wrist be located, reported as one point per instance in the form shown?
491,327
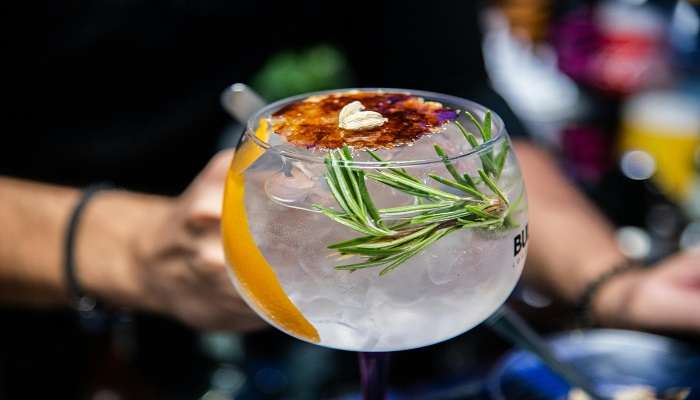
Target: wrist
590,268
608,303
106,263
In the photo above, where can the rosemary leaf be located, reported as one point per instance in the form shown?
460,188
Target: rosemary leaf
501,159
395,242
342,219
439,217
351,242
488,163
399,171
349,173
437,235
467,135
400,225
486,158
389,182
333,185
357,179
374,155
448,164
478,224
367,199
468,181
398,261
492,185
478,211
361,251
345,189
464,188
485,127
422,187
396,211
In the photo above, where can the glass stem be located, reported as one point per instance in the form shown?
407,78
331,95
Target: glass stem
374,372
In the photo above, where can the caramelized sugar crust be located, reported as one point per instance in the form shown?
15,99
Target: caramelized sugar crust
313,122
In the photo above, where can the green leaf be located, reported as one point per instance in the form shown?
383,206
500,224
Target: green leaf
478,211
478,224
486,159
345,189
439,217
488,163
468,181
351,185
398,171
394,211
380,251
343,220
351,242
367,199
467,135
398,241
501,159
398,261
423,187
459,186
374,155
333,185
492,185
486,126
448,164
483,129
398,186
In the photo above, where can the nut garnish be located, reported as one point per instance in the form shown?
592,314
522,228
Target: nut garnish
352,117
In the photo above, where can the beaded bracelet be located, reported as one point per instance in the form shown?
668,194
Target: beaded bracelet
583,306
87,306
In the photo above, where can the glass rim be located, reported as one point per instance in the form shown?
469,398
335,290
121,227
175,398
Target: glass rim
496,122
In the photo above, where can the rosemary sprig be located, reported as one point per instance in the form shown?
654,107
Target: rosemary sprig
493,165
434,214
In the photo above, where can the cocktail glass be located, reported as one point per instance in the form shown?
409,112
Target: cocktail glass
447,220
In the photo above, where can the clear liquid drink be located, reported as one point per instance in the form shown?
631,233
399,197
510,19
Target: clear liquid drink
277,232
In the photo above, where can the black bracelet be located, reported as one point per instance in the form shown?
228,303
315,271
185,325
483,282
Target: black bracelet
583,307
87,306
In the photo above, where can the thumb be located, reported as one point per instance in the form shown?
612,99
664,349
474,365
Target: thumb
205,193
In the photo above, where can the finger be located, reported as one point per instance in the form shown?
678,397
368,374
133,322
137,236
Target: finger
209,262
669,307
683,269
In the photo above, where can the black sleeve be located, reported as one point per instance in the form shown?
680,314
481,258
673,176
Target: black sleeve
432,46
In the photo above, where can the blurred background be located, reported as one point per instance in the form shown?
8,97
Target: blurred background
610,87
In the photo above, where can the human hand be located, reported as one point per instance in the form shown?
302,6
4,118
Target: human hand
180,263
665,297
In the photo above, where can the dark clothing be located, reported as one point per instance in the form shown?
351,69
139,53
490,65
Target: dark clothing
133,98
133,86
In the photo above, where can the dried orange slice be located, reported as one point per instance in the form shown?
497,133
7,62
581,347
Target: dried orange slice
255,276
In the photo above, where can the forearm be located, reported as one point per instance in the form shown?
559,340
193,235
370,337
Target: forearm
34,218
571,243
